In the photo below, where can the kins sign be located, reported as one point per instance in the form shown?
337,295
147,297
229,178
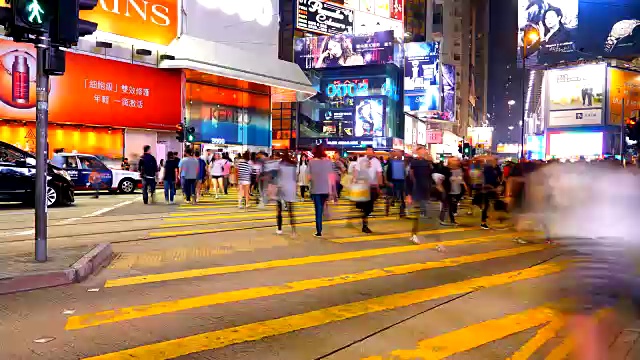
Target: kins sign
155,21
93,91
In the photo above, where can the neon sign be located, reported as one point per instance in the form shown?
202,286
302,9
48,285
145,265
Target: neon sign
348,88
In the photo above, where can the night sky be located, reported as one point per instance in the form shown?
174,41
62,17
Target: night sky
504,76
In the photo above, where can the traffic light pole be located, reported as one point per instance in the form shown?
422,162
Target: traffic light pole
42,121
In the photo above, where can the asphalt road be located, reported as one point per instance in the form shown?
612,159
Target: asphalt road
215,282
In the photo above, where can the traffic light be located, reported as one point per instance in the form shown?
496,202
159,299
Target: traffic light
466,149
180,132
190,133
460,146
66,26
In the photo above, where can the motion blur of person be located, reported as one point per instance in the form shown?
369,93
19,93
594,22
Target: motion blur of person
202,175
269,179
339,170
189,170
303,176
491,181
243,176
591,211
286,180
320,172
226,172
57,159
170,178
95,179
148,167
420,175
458,187
369,168
396,177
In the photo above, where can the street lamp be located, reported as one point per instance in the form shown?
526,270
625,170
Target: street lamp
511,102
531,37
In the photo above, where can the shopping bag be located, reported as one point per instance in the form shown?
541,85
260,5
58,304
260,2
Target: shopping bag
359,192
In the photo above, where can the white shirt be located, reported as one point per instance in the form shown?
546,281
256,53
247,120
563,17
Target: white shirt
217,167
370,167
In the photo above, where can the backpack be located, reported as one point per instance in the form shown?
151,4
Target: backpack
397,169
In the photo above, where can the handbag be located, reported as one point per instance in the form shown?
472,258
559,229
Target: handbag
359,192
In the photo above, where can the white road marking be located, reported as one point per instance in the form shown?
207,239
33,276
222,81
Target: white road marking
107,209
28,232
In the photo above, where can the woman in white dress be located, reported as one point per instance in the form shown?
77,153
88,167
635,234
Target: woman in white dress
303,179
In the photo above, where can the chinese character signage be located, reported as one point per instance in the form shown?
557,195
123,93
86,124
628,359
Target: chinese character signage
344,50
93,91
324,17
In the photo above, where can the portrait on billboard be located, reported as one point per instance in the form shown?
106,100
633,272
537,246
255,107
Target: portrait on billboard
344,50
555,22
578,87
324,17
449,90
369,117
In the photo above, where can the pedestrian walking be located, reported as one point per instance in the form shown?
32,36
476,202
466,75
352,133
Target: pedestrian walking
148,167
189,169
303,176
217,174
320,170
286,179
202,175
243,176
396,176
170,178
369,168
96,181
420,175
226,172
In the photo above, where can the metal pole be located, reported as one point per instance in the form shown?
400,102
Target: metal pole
42,119
524,93
622,135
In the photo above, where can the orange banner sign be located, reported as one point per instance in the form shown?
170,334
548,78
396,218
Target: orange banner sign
623,85
93,91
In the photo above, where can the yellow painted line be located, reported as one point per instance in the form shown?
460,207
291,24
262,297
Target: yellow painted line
470,337
184,217
562,351
305,206
267,220
134,312
251,332
407,235
210,231
540,338
145,279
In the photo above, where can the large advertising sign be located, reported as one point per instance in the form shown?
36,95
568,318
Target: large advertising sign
449,91
344,50
93,91
153,21
575,144
324,17
422,92
572,29
623,85
576,95
248,25
342,92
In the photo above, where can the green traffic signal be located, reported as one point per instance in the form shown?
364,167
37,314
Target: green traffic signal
34,12
190,138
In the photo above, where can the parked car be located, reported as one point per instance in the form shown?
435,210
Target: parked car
79,167
18,181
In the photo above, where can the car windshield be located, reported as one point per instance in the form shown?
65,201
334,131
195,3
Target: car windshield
9,156
90,162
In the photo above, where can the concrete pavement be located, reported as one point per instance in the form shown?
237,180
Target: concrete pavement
233,289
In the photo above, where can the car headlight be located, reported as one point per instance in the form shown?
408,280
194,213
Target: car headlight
62,173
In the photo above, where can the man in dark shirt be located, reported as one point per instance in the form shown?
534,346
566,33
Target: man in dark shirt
170,177
420,172
148,167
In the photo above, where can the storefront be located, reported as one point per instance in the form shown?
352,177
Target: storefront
132,82
99,106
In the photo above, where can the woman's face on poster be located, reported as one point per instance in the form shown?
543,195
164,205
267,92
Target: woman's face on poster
335,48
552,20
366,110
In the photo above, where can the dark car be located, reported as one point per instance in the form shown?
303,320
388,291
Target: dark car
18,181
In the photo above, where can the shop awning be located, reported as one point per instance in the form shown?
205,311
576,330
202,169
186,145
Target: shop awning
287,81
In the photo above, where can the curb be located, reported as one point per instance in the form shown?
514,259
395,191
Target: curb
88,264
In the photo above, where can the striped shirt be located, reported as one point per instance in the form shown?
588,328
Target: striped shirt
244,170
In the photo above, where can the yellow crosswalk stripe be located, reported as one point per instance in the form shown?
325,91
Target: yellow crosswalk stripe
407,235
270,219
134,312
243,215
443,346
269,208
145,279
209,231
543,335
562,351
251,332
